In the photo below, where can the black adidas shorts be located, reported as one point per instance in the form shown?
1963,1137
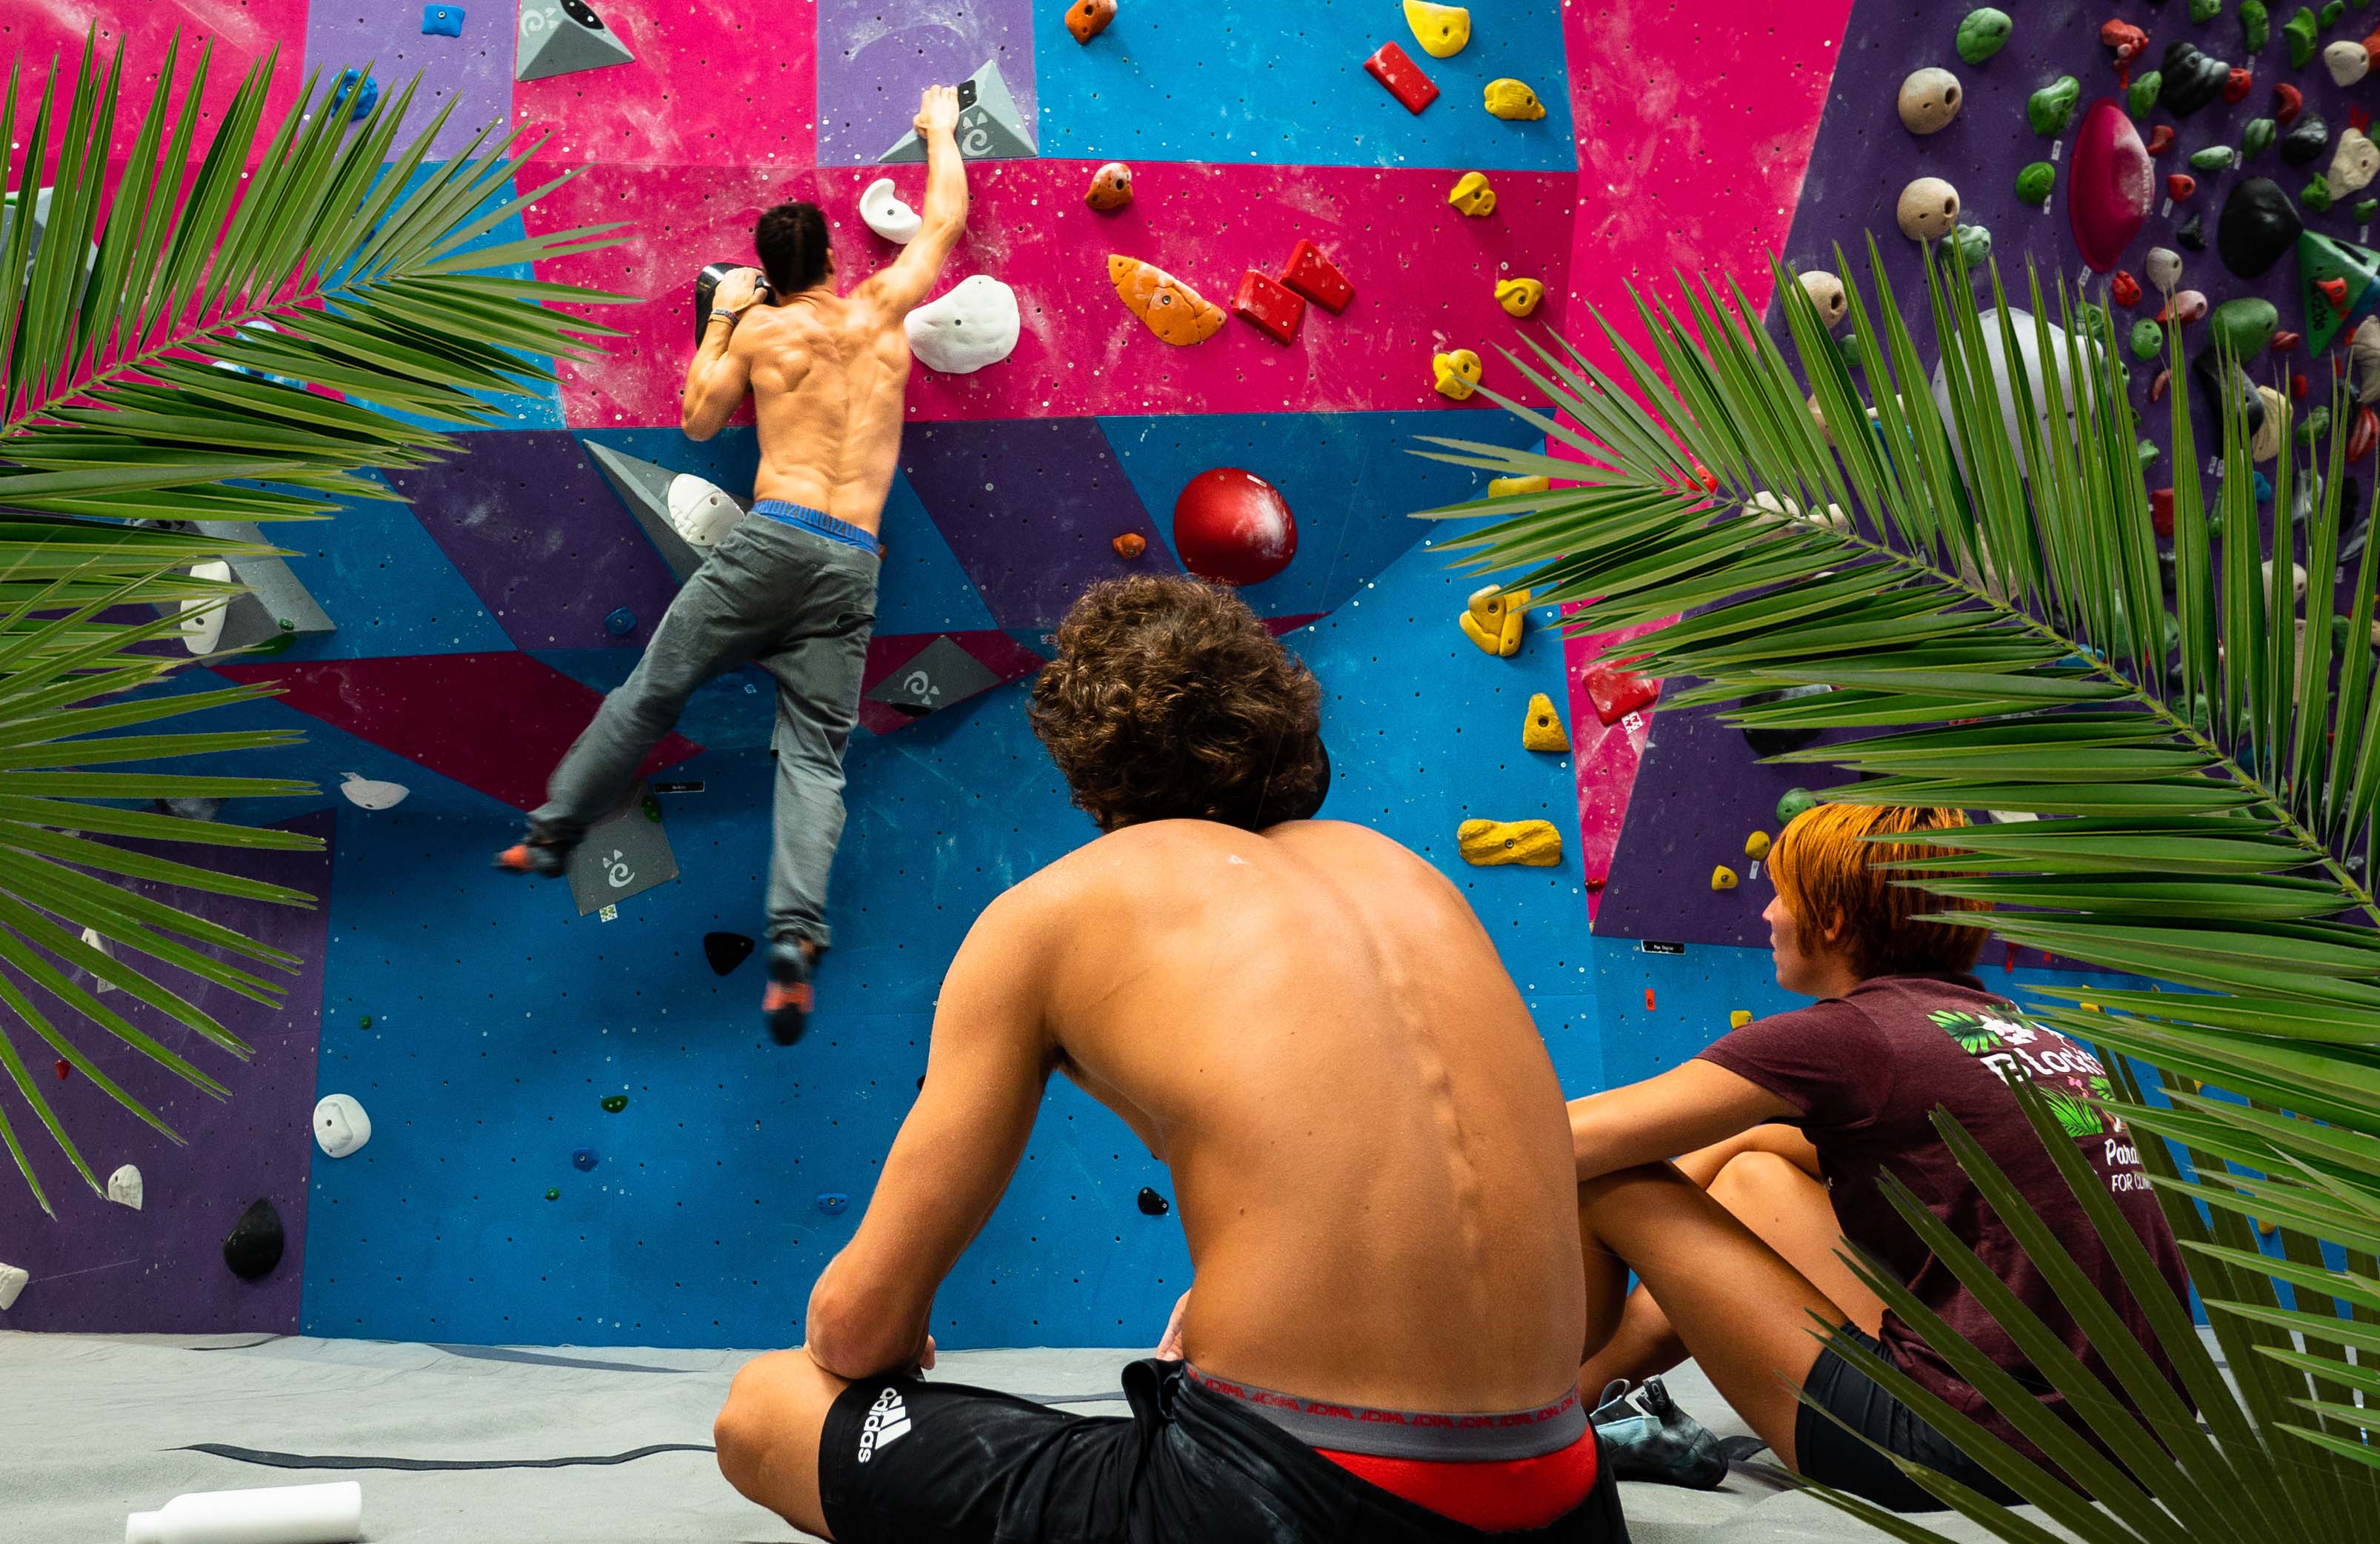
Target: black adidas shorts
904,1461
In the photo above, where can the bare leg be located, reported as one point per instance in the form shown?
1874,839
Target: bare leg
768,1435
1739,1306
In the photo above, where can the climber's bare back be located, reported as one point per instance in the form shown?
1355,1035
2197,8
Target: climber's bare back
829,376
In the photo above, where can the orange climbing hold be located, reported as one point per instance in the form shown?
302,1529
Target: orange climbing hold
1087,19
1171,310
1130,546
2335,291
1110,187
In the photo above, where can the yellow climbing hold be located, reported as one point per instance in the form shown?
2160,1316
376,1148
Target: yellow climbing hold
1756,846
1492,620
1509,98
1739,1018
1456,374
1723,878
1542,730
1531,843
1441,30
1472,195
1519,297
1499,486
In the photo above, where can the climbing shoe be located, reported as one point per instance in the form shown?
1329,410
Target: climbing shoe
786,1003
1646,1436
530,856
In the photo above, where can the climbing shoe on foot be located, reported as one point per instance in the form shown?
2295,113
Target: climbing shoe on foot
530,856
786,1003
1646,1436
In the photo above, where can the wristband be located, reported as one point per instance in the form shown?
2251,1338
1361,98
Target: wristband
730,316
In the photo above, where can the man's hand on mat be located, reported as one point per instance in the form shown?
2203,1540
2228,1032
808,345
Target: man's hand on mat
938,110
1169,1348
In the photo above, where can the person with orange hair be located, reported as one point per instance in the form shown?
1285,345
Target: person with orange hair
1729,1183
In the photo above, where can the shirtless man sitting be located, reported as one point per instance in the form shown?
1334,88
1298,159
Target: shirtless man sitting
1307,1024
793,586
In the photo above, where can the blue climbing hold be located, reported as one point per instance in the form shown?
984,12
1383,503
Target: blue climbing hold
442,21
2264,489
833,1202
620,623
583,1159
365,96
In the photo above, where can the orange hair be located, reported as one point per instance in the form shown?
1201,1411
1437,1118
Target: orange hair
1826,873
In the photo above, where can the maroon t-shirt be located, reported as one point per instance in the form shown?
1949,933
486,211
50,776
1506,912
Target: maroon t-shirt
1867,1071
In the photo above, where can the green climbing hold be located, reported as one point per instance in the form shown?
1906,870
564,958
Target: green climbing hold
1983,33
2316,195
2242,326
2258,136
2204,11
554,1194
2300,30
2146,451
2314,424
1792,803
2148,342
2213,158
2366,208
652,809
2142,96
2332,12
364,1023
2034,183
2050,109
2255,25
614,1104
1973,243
1847,345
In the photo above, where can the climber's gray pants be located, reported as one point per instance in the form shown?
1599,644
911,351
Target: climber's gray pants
800,606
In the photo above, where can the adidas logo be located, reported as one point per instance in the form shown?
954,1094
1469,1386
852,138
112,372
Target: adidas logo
888,1420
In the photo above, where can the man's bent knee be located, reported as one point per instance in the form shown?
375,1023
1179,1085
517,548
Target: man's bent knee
767,1432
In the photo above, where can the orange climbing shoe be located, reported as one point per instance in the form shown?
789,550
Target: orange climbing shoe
533,856
787,1003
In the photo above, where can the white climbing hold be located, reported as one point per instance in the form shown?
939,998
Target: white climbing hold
2354,164
887,216
2027,346
2348,62
201,630
976,324
701,512
1930,100
90,938
1826,292
2165,269
124,1187
365,793
2296,578
1766,508
12,1281
340,1124
1929,208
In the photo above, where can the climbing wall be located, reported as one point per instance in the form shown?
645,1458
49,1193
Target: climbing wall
579,1133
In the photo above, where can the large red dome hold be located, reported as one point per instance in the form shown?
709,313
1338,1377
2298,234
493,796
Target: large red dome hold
1233,527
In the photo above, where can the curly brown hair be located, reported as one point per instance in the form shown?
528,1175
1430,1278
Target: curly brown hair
1169,699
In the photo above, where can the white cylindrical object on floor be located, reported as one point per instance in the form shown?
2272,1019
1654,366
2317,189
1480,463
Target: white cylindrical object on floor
281,1514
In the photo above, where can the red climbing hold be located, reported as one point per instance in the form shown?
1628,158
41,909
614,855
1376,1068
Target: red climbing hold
2179,186
2358,118
2297,386
2161,511
2158,388
2109,186
1316,277
2125,42
2288,103
2335,291
1702,475
1618,692
63,1069
1394,69
2241,83
2364,436
1263,302
1233,527
2284,341
1596,882
2125,289
2160,138
1648,1000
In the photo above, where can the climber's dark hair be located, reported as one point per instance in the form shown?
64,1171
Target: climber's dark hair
1171,700
792,241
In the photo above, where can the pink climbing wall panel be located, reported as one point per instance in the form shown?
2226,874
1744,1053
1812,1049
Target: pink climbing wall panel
722,84
1695,126
1423,275
242,33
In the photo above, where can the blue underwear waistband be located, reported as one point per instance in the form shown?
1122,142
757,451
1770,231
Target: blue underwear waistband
818,522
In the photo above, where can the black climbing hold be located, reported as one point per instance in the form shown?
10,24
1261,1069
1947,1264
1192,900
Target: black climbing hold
2212,386
1152,1204
2191,79
705,283
2306,139
1777,741
726,951
253,1246
2192,233
2259,224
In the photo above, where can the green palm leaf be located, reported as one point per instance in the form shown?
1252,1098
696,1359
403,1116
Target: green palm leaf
220,341
1963,551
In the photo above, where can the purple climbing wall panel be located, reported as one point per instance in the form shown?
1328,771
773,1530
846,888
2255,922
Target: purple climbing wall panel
101,1265
874,57
472,75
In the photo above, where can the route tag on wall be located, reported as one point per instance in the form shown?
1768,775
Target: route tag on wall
625,855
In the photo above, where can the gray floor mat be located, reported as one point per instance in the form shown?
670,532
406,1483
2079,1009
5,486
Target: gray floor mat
550,1445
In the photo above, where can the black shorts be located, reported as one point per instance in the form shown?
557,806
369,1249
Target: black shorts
1831,1455
904,1461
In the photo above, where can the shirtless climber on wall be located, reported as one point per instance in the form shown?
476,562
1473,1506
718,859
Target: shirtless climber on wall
1309,1026
793,586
